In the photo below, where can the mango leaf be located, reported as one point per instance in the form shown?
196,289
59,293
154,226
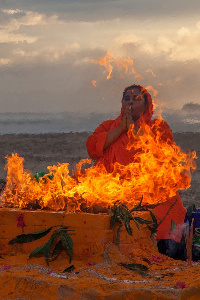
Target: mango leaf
153,218
136,223
173,226
49,244
124,206
128,214
67,243
114,216
64,228
127,225
118,218
57,249
153,228
143,221
128,228
118,230
121,214
138,206
151,206
37,252
135,267
69,269
139,268
27,238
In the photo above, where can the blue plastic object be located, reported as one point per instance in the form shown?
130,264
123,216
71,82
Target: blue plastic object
196,216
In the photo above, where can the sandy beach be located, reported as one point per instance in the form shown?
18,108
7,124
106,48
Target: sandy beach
43,150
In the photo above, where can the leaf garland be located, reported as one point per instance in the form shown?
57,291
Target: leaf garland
121,215
59,240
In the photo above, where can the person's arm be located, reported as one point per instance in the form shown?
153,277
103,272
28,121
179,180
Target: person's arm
96,141
114,134
102,137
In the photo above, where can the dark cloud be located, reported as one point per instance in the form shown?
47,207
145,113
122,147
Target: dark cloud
191,107
90,10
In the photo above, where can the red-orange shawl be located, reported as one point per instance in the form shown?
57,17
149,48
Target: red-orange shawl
117,152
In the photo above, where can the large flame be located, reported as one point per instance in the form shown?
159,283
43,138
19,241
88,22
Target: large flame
109,62
158,171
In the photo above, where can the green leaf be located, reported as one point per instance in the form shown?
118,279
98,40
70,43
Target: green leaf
69,269
136,223
135,267
114,216
57,249
128,228
118,231
128,214
196,240
27,238
49,244
121,214
124,206
139,268
151,206
173,226
153,228
153,218
67,243
127,225
64,228
143,221
38,251
137,206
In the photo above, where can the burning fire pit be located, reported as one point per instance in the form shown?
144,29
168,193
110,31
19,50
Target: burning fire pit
160,169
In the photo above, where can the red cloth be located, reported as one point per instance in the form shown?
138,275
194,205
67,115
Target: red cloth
117,152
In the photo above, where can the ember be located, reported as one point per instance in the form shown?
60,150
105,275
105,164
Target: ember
158,171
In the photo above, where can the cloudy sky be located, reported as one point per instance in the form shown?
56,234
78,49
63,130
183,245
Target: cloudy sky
70,55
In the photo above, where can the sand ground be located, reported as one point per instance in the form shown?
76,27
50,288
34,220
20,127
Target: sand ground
43,150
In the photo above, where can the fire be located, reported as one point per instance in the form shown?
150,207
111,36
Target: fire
150,88
158,171
151,72
94,83
109,62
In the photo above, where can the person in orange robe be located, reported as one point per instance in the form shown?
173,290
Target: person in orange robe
108,144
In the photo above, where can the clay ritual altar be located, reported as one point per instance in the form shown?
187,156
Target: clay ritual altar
100,268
